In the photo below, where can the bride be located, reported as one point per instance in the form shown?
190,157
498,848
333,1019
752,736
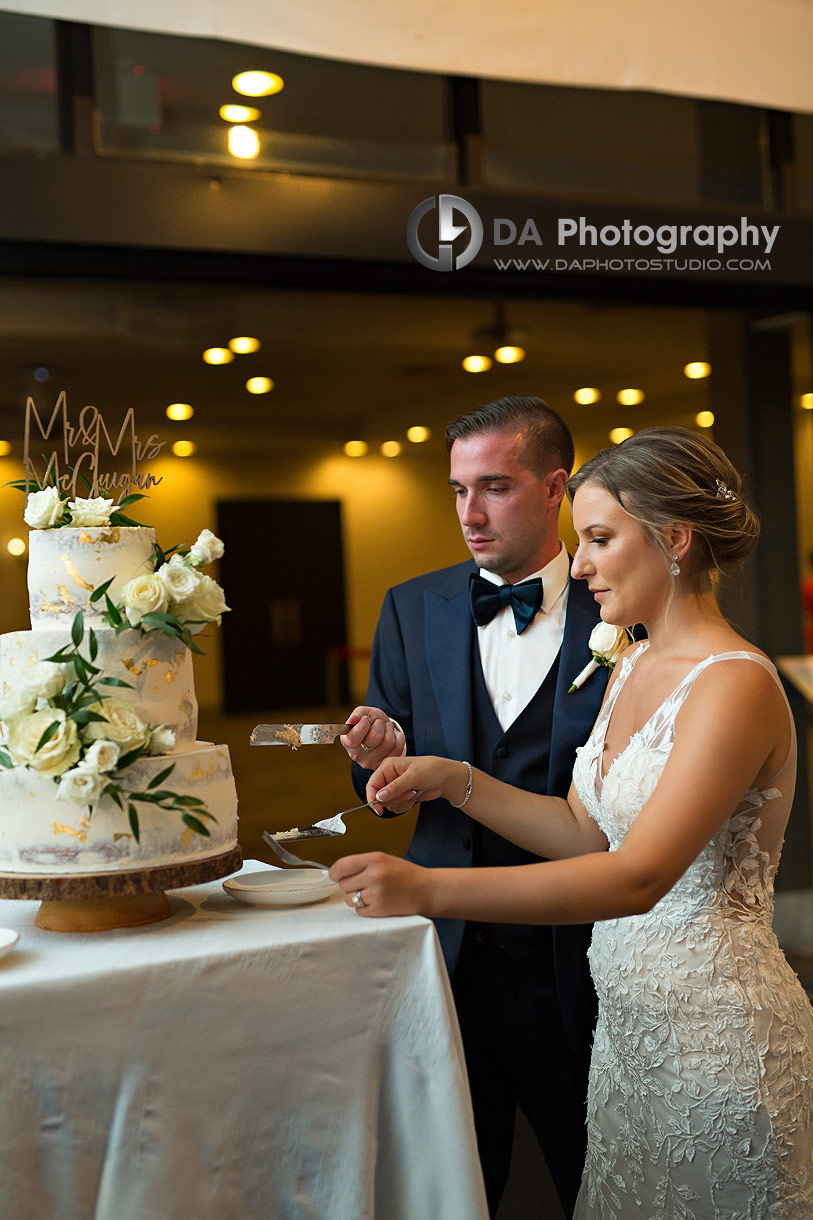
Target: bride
701,1087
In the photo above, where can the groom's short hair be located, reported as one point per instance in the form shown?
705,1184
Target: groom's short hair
548,443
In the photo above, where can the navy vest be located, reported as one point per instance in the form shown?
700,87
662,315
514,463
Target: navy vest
518,756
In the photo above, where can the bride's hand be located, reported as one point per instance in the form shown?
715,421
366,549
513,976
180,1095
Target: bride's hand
400,782
376,884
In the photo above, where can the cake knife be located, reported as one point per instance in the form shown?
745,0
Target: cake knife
296,735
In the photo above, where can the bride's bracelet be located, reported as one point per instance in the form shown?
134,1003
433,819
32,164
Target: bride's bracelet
467,765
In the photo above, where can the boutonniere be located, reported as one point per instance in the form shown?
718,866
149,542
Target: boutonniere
606,644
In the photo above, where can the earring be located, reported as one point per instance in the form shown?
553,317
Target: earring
674,566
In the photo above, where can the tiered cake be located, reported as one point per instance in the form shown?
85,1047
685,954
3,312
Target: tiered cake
45,831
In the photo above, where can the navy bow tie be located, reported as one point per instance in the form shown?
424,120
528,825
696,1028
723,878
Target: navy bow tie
487,599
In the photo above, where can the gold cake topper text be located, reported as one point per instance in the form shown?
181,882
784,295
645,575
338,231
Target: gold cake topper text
80,452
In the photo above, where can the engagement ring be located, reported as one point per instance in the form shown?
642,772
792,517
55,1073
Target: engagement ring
357,900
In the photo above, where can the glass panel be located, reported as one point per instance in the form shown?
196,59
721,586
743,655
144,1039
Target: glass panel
590,142
160,96
803,141
28,95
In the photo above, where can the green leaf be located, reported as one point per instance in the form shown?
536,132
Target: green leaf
51,731
115,682
120,519
193,802
194,824
114,793
131,499
93,648
159,779
113,613
100,590
84,480
77,629
5,759
134,826
129,757
85,715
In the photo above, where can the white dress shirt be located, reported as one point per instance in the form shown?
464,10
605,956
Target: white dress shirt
515,666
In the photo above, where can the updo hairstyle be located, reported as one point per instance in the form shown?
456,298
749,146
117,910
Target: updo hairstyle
667,476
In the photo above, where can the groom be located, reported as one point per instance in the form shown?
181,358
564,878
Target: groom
472,669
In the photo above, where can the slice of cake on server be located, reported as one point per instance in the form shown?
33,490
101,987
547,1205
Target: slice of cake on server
101,767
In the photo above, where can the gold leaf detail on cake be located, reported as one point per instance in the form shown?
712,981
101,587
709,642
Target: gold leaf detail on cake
130,665
149,663
51,607
65,595
187,837
80,832
112,536
122,834
75,574
169,677
199,773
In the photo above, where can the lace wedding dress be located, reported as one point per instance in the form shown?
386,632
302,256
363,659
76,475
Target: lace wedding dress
700,1103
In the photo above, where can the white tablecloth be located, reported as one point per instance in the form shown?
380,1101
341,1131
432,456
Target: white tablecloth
234,1062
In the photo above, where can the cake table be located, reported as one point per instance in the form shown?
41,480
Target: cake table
98,902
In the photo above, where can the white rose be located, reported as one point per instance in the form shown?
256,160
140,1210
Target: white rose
206,606
179,579
57,755
162,740
81,786
43,508
17,701
121,724
206,549
608,640
46,678
101,756
90,512
143,595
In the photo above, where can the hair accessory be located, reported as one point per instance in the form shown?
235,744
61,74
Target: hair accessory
723,492
674,566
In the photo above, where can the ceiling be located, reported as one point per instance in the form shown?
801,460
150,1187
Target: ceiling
346,365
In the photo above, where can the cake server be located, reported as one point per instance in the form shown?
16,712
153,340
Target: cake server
296,735
326,829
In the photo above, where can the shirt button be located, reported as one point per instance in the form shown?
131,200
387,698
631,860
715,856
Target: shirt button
510,634
506,698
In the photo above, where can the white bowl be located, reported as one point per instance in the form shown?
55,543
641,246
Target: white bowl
281,887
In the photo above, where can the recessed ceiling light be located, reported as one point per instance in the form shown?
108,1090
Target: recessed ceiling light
586,395
243,345
5,448
243,142
508,354
239,114
218,355
257,84
617,435
184,448
477,364
15,546
417,434
356,448
391,448
259,385
696,369
179,411
630,398
704,419
806,402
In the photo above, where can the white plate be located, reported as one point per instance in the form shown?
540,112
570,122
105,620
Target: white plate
281,887
8,939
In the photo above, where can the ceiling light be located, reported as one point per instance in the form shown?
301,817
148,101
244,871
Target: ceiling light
417,434
238,114
259,385
218,355
630,398
509,354
15,546
243,345
184,448
244,142
179,411
806,401
356,448
477,364
617,435
5,448
704,419
696,369
257,84
586,395
391,448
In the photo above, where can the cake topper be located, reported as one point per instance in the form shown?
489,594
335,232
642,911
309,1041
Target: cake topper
80,449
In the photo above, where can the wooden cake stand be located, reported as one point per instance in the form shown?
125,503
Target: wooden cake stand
97,902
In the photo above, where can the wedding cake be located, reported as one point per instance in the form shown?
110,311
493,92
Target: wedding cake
101,767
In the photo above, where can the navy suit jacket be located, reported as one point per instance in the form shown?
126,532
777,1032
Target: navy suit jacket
421,675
